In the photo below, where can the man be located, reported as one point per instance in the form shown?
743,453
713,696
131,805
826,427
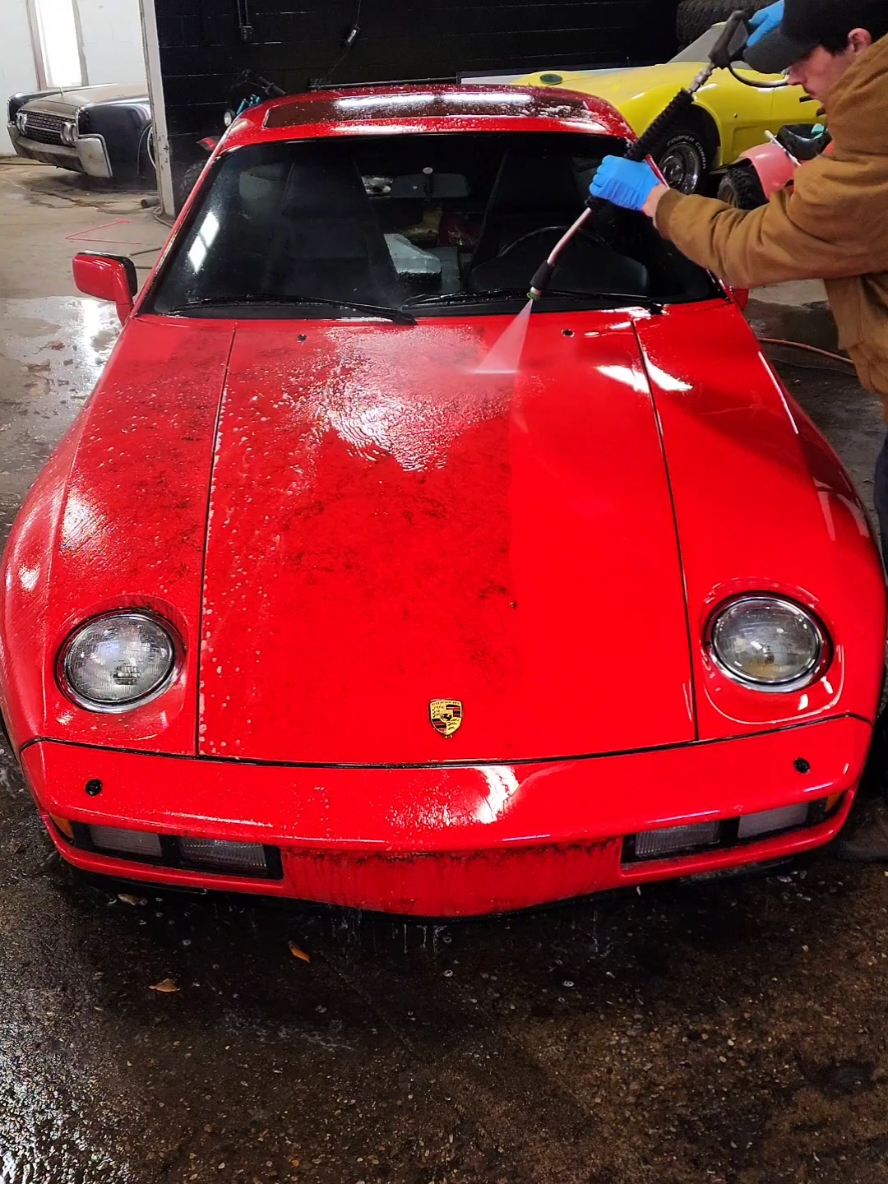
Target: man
833,226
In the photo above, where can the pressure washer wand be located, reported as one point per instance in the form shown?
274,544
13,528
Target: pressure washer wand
731,43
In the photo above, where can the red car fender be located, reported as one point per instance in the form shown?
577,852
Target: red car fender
774,166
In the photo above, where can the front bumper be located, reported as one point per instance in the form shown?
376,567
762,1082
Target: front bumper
89,155
452,841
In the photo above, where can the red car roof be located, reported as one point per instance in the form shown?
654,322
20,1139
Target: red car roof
434,108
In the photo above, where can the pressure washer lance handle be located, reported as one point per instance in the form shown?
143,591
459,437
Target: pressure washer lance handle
642,148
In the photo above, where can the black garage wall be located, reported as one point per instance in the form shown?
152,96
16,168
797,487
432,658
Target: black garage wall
204,44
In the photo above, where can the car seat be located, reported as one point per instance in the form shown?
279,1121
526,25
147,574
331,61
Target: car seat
328,242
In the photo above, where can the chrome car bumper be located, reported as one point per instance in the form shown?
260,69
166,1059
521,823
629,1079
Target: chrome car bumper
89,155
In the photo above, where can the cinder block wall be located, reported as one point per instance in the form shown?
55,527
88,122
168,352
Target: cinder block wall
205,43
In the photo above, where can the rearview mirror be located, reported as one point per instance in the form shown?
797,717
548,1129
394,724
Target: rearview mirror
429,184
107,277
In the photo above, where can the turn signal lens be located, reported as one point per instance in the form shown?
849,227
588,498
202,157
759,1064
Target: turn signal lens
63,826
770,821
223,856
654,844
126,842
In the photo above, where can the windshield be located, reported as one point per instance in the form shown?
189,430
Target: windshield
343,227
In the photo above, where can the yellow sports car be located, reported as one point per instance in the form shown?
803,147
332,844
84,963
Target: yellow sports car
728,116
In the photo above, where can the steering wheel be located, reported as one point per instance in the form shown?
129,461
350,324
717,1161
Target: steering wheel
591,235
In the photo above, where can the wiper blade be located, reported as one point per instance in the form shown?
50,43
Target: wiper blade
622,299
398,315
463,297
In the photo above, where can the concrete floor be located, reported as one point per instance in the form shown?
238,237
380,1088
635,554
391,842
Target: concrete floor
731,1032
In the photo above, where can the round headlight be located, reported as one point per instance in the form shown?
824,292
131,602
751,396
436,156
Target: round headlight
21,122
118,662
768,643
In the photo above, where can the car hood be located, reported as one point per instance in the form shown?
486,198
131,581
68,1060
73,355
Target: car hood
621,85
388,528
71,98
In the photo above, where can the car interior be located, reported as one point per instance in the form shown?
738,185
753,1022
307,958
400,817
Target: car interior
413,220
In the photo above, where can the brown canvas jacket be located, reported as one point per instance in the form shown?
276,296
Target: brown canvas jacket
833,227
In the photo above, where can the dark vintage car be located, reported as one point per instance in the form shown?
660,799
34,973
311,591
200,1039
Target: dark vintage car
104,131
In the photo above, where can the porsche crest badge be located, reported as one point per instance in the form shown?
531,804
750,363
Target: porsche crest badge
446,716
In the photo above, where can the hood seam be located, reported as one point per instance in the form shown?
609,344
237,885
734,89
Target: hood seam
206,541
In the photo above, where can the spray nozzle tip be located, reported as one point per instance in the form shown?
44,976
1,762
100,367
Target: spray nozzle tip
541,280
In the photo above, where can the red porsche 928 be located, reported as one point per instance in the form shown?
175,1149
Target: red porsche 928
313,602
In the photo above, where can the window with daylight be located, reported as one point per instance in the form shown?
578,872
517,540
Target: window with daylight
59,42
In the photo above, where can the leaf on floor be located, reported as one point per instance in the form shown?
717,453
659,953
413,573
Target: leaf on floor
165,988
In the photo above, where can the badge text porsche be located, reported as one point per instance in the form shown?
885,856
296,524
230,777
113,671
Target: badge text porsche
446,715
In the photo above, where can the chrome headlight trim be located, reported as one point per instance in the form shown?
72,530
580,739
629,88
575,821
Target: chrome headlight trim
122,708
816,669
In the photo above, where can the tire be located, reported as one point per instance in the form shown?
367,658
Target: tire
685,158
186,182
741,188
695,17
147,172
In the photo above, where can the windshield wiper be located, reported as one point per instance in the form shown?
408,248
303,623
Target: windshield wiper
398,315
463,297
621,299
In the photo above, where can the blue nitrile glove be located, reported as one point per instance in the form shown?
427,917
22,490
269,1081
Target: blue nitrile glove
765,21
626,183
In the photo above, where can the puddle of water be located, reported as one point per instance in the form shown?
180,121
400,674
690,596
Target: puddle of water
70,336
27,327
52,351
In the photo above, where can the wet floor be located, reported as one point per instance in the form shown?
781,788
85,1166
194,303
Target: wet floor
731,1032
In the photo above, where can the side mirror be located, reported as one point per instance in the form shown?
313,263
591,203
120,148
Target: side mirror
107,277
741,296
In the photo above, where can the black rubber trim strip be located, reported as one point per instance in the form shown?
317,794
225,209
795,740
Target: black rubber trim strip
464,764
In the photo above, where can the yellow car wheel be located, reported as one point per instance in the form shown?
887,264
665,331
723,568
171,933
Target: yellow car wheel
686,157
